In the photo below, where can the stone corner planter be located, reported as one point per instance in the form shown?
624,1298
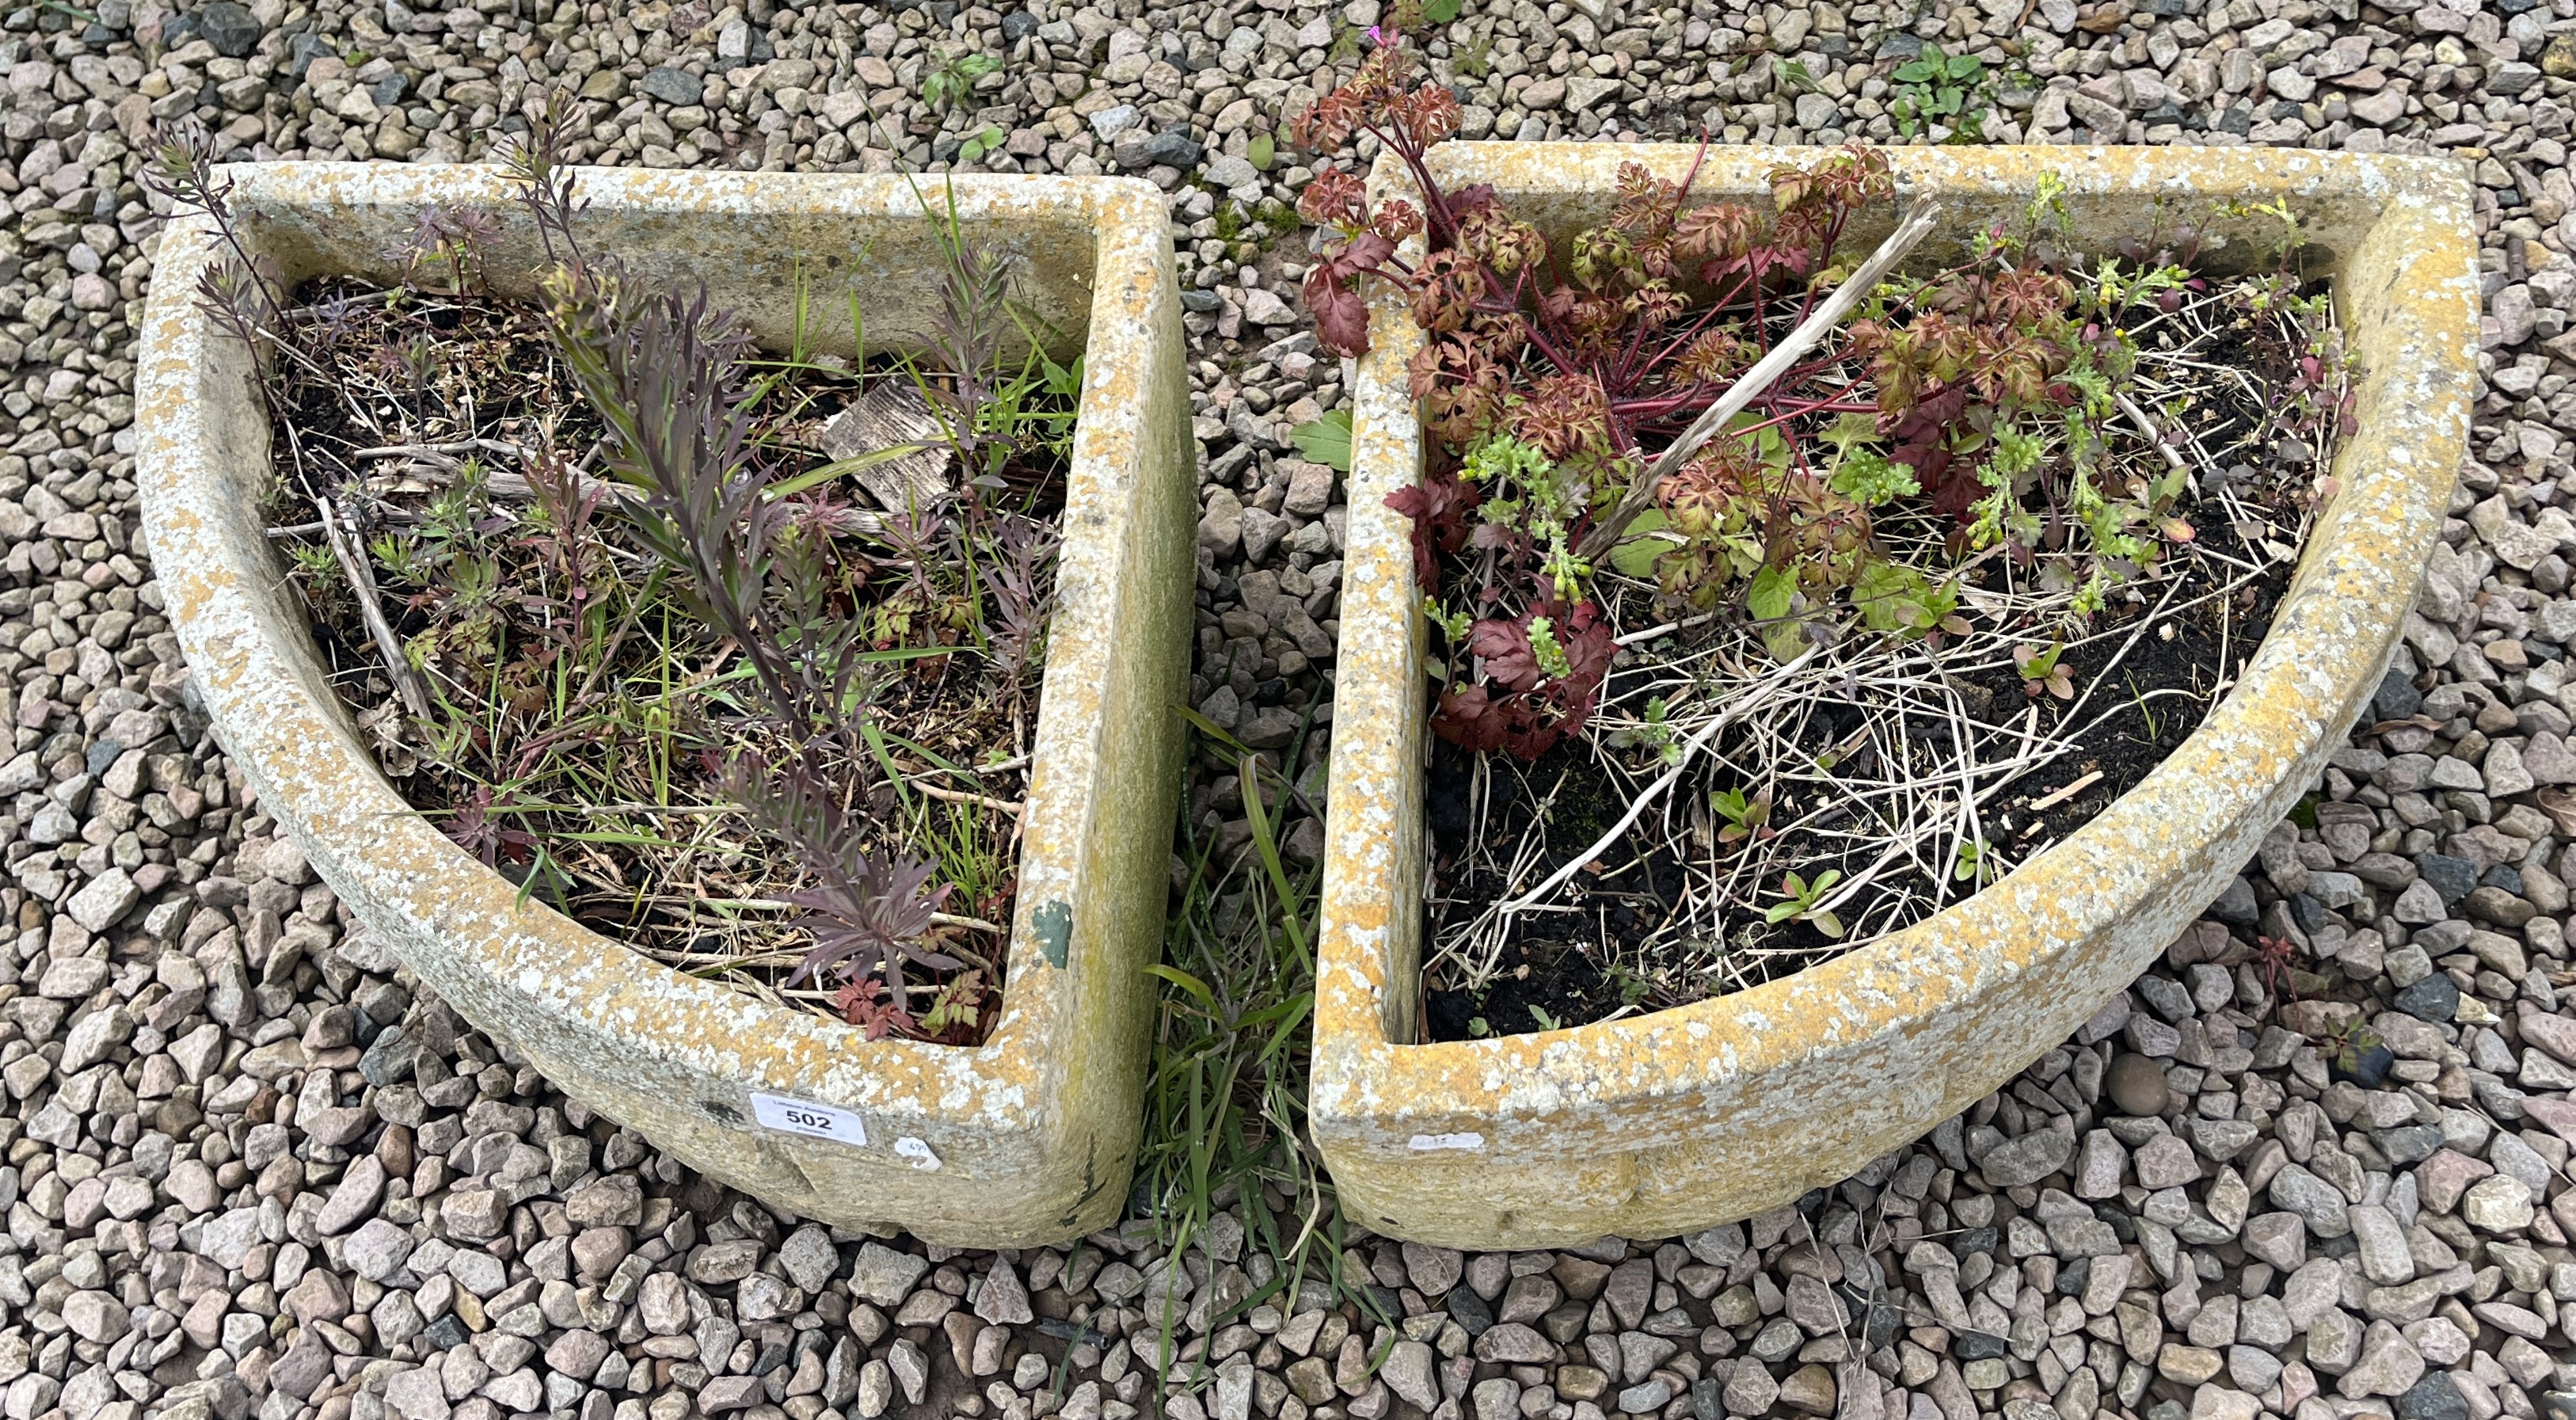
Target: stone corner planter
1026,1139
1666,1123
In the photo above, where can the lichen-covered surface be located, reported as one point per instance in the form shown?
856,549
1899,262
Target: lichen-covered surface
1028,1138
1715,1111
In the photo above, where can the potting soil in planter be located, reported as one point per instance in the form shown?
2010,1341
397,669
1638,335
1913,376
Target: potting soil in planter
745,672
1975,555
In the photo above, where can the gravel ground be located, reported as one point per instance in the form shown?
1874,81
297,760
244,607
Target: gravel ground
251,1166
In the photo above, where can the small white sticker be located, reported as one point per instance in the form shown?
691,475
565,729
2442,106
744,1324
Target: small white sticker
820,1121
1434,1143
918,1152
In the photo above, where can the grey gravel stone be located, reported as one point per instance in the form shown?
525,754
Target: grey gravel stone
509,1253
2027,1159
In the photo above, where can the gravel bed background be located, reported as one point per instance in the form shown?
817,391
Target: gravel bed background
251,1167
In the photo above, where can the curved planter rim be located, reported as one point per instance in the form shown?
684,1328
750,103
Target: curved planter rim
1023,1139
1688,1117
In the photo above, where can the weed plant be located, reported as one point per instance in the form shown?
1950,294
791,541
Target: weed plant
607,611
1791,620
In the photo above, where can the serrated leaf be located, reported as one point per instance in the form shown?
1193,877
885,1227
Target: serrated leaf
1645,544
1851,428
1326,440
1440,12
1767,599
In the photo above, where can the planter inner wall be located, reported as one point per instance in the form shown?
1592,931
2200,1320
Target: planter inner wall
1681,1119
1026,1138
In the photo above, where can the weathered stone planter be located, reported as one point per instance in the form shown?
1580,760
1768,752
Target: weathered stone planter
1026,1139
1686,1118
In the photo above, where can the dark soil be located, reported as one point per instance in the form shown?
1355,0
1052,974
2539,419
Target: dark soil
1553,979
443,368
1554,975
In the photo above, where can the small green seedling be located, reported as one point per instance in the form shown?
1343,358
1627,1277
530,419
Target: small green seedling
1474,59
1655,734
1799,901
1938,88
2042,672
2345,1043
952,80
1976,862
974,149
1746,817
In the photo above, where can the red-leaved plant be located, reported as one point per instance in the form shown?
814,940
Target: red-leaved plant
1548,373
1546,370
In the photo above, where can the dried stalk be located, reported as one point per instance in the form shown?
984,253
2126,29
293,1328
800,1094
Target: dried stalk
1743,706
363,582
960,796
2137,416
1750,387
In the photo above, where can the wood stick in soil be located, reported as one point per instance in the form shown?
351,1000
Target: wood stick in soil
1637,806
960,796
2138,417
2039,806
1750,387
363,583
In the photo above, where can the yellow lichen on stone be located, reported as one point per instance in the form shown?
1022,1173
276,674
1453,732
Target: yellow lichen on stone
1026,1139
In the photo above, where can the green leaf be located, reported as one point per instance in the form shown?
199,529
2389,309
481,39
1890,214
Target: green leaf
1767,601
1769,444
1850,429
1889,596
1914,73
1768,598
1261,152
1186,982
1637,553
1441,12
909,653
1866,475
1786,640
1326,440
825,473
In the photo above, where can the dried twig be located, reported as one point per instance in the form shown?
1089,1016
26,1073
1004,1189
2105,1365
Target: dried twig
2070,791
362,581
960,796
1739,707
2137,416
1750,386
1913,794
